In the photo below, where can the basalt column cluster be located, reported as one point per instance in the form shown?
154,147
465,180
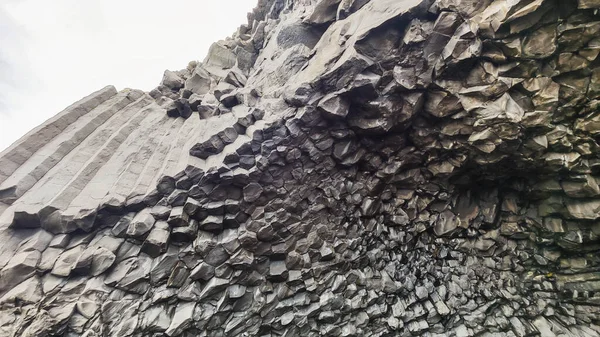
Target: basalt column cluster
335,168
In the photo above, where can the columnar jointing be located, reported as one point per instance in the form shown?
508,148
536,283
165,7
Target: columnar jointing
336,168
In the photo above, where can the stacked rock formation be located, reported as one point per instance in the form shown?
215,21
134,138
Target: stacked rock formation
336,168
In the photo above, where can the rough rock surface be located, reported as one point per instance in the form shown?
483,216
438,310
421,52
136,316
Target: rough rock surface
336,168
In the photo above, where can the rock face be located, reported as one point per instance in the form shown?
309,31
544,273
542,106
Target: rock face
336,168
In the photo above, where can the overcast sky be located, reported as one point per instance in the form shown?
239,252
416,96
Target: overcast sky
54,52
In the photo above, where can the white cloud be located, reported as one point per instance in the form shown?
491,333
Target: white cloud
55,52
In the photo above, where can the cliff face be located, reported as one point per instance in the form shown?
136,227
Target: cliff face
336,168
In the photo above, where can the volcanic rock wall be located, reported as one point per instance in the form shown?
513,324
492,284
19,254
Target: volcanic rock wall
336,168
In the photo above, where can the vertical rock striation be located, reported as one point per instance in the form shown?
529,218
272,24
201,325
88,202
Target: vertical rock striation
336,168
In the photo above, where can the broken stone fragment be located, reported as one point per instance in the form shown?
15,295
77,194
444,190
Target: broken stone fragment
230,100
141,224
370,207
157,241
334,106
214,286
343,149
102,260
243,259
278,271
216,256
212,146
172,80
441,104
212,223
203,271
252,192
185,234
182,318
120,228
583,209
166,185
27,292
178,276
324,12
581,189
178,217
160,212
180,108
206,110
177,198
541,43
228,136
200,82
406,77
191,206
446,223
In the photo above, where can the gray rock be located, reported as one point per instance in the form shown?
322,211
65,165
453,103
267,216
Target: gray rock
334,106
356,168
27,292
160,212
178,217
172,80
446,223
59,241
216,256
178,276
67,261
252,192
103,259
214,286
166,185
203,271
156,318
211,147
182,319
122,225
141,224
20,267
200,82
325,11
278,271
157,241
39,241
211,223
185,234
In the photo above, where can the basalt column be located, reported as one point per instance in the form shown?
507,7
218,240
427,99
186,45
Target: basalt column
335,168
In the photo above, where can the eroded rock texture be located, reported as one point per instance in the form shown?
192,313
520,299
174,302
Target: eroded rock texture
337,168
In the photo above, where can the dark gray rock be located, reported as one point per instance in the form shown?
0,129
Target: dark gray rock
216,256
203,271
211,147
252,192
158,240
178,217
356,168
334,106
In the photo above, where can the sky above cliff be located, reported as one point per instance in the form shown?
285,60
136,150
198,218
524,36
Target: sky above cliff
55,52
